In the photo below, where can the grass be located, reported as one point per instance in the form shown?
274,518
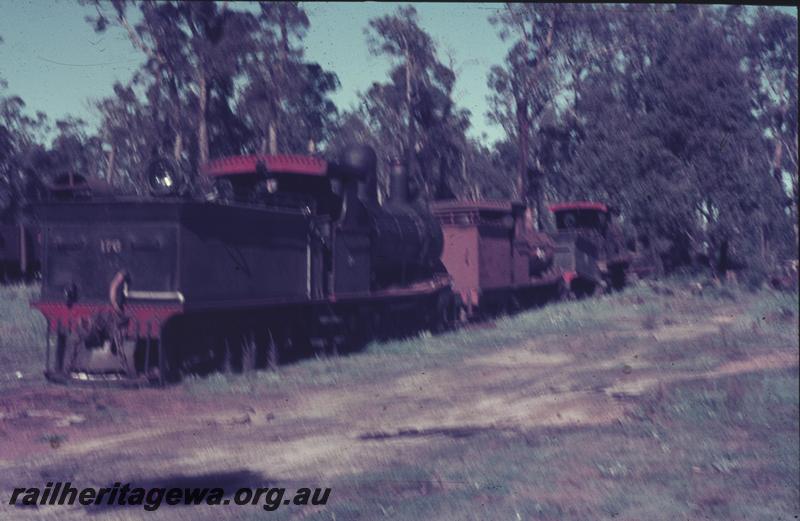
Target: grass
407,355
54,440
704,448
679,462
642,306
722,448
22,332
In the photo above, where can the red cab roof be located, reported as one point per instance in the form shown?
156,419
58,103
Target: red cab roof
285,164
578,205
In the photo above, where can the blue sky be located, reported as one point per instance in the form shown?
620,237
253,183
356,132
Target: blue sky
53,59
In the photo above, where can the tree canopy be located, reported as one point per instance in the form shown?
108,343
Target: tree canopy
684,117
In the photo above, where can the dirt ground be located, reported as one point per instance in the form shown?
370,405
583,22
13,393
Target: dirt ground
566,424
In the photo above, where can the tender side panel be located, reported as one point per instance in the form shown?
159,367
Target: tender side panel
232,255
90,256
495,257
85,248
521,263
461,257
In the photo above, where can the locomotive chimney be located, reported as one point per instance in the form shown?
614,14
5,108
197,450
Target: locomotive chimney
360,162
398,183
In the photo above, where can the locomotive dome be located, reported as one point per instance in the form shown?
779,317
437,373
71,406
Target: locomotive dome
360,160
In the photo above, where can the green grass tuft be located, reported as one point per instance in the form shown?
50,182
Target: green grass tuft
22,336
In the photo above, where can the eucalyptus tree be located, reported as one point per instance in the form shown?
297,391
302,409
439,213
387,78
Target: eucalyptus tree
771,60
413,113
21,136
524,87
275,72
192,50
681,115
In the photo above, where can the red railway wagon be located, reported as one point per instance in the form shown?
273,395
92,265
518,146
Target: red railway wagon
495,263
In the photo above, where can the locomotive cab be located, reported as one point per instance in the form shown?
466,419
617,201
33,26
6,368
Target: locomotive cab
273,180
589,246
585,216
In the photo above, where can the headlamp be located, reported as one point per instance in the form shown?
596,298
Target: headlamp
163,177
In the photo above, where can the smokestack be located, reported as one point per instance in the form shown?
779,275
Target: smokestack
398,183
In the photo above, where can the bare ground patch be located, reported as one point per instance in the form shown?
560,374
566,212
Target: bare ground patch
620,422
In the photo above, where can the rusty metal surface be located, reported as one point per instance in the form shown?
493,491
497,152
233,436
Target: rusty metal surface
488,250
495,262
461,259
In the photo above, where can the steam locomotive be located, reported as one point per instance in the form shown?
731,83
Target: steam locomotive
283,257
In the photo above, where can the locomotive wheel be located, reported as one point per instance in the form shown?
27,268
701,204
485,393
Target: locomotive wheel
445,313
191,348
61,352
361,327
581,289
617,279
565,292
169,360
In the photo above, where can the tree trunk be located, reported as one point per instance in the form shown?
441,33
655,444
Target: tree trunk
538,199
177,149
464,168
523,121
777,158
522,144
410,137
175,119
522,167
443,188
112,155
273,138
202,128
658,264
